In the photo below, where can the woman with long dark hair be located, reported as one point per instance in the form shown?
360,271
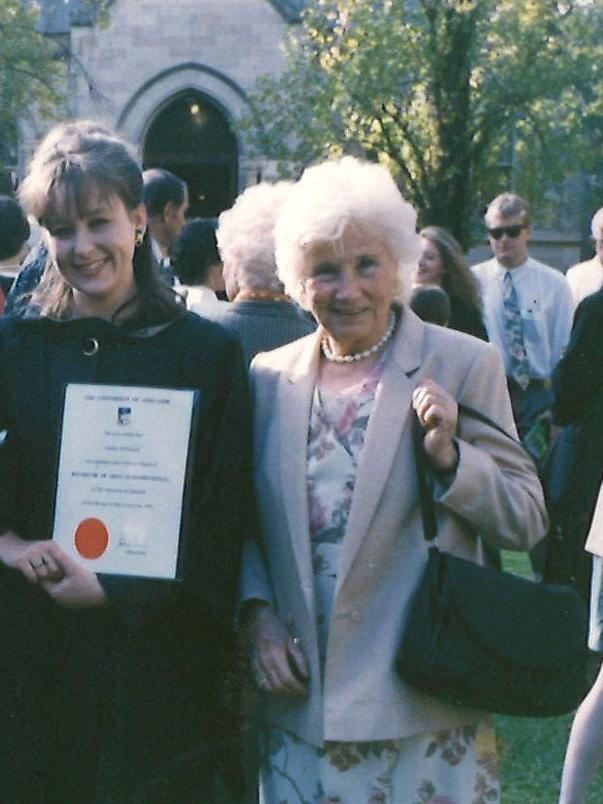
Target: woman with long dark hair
442,263
113,686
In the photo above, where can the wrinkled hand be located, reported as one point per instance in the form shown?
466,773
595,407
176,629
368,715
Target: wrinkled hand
277,660
438,415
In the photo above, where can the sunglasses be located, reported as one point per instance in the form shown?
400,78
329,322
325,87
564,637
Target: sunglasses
510,231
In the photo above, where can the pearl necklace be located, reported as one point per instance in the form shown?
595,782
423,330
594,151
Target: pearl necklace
333,358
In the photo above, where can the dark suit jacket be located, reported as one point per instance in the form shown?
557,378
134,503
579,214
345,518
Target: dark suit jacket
578,402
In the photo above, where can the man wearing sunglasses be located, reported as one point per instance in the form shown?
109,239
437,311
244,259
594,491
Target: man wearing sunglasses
528,310
587,277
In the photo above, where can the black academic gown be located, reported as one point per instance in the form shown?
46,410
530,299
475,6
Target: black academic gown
134,701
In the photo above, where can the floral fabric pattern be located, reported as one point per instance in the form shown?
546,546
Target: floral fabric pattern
457,766
451,767
338,423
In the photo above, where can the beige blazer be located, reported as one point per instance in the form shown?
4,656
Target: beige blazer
495,494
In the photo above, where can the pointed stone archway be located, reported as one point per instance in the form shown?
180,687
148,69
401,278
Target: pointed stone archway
192,137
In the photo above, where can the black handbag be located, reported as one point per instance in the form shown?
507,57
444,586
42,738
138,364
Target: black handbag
486,639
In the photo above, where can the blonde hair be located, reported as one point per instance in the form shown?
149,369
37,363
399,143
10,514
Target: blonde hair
508,205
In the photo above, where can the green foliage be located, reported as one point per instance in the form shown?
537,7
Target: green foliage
531,750
33,68
30,72
444,92
531,753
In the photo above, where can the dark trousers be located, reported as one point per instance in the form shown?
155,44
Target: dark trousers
528,405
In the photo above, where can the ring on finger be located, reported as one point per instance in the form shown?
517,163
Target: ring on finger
262,680
295,641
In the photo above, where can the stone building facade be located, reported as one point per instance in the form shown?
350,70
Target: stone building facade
172,77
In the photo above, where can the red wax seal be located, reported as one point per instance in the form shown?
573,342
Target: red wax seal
91,538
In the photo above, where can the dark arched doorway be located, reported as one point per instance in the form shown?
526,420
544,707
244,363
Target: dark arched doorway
192,138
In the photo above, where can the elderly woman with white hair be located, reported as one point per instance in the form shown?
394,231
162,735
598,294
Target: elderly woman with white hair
260,313
326,586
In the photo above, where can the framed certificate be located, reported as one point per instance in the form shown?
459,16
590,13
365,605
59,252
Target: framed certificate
124,459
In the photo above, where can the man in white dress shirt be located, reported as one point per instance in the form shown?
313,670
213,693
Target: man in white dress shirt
587,277
528,310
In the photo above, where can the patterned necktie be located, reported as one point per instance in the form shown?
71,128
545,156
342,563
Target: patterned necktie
518,359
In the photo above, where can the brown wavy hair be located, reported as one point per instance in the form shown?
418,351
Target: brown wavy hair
78,158
457,279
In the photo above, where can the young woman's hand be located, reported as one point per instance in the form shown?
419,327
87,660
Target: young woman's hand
36,561
78,587
44,563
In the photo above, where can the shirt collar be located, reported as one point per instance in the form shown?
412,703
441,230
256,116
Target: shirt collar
156,249
515,272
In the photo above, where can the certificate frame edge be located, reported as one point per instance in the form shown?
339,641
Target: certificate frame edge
187,491
188,474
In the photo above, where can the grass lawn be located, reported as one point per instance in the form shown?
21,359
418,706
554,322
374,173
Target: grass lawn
532,749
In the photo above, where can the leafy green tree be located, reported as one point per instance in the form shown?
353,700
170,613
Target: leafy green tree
30,73
33,68
458,97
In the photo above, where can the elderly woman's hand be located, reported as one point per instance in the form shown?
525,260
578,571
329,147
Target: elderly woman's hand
277,660
438,415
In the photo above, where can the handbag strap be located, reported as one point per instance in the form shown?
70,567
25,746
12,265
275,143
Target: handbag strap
477,414
425,477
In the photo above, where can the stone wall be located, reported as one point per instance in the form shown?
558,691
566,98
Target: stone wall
124,72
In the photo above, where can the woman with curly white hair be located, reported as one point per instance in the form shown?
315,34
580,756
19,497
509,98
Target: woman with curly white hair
260,313
326,585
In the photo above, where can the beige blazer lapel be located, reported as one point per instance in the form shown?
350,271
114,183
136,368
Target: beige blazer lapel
390,415
296,387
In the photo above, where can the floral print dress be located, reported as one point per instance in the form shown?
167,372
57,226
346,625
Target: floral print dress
457,766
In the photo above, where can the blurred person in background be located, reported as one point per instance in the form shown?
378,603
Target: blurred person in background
14,246
587,277
166,201
528,310
442,263
431,304
578,404
260,312
198,267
